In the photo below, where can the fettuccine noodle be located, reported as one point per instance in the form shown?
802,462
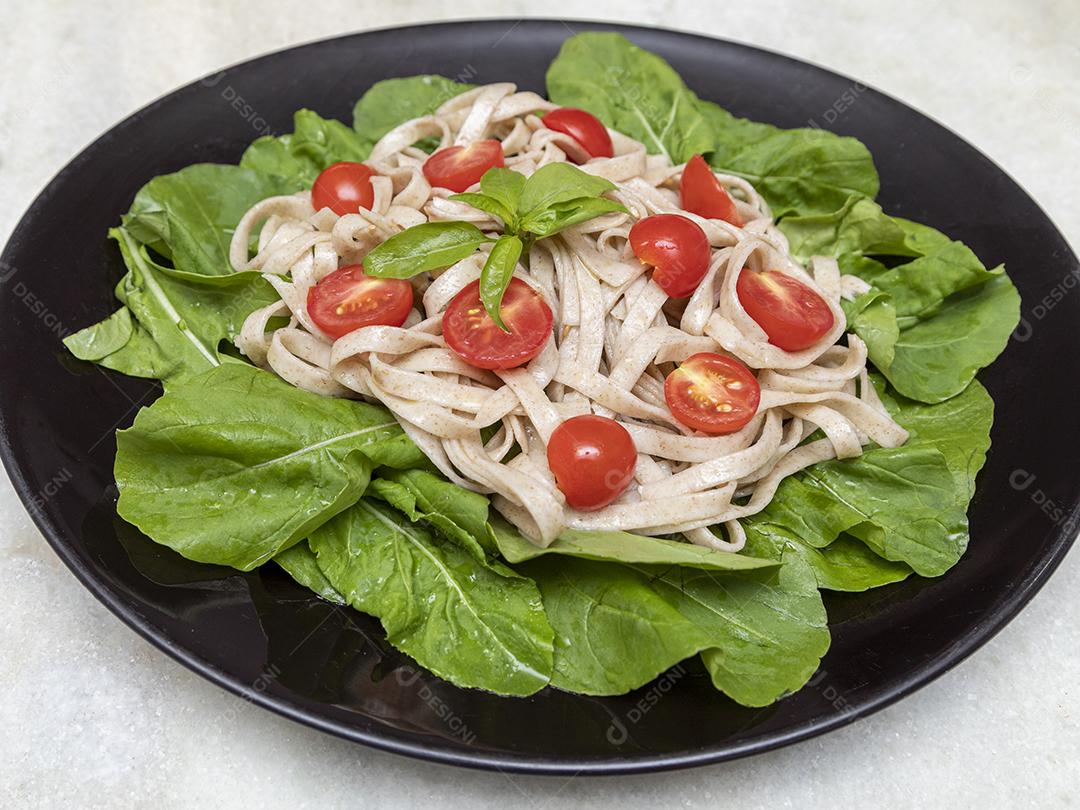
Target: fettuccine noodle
616,336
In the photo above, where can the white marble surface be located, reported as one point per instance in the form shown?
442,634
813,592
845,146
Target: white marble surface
93,716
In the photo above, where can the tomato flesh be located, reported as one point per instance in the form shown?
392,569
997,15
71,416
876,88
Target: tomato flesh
583,127
348,299
593,459
712,393
677,249
458,167
702,194
344,188
792,314
472,335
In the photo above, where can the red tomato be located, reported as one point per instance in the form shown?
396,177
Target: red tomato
471,333
347,299
702,194
343,188
712,393
792,315
677,249
593,460
583,127
458,167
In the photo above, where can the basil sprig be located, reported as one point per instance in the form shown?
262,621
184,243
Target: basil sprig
555,197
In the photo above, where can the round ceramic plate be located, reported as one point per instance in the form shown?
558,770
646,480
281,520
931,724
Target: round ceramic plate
265,638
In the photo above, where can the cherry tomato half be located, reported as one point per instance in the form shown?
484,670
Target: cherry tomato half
593,460
583,127
677,249
702,194
712,393
347,300
458,167
471,333
791,313
344,188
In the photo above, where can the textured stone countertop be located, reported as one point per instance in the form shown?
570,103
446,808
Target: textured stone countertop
94,716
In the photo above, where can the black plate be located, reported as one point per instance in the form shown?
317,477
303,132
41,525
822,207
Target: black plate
264,638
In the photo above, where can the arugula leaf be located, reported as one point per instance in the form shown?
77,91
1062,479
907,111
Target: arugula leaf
616,546
496,275
300,563
424,247
872,317
617,627
300,156
907,504
805,171
189,216
455,616
393,101
931,323
458,513
235,465
636,92
846,564
631,90
172,321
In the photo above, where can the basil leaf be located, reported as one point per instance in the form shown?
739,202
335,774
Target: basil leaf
300,156
235,465
631,90
461,619
394,101
489,204
504,185
496,275
554,218
424,247
557,183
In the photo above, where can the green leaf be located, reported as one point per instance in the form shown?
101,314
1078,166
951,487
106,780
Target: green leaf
235,466
938,357
489,204
553,184
300,563
455,616
299,156
615,546
503,185
394,101
632,91
564,214
846,564
172,321
858,227
762,633
189,216
496,275
95,343
424,247
872,317
803,171
458,513
907,504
